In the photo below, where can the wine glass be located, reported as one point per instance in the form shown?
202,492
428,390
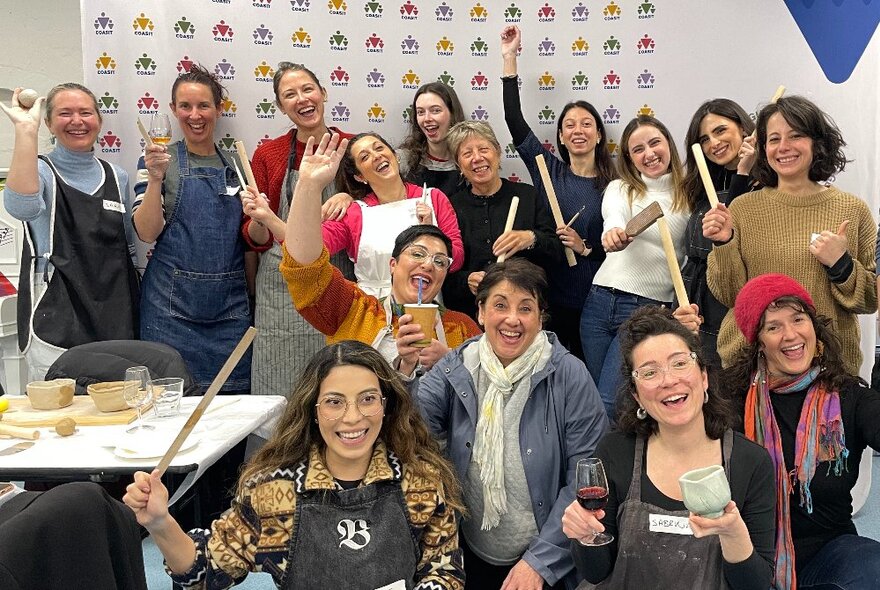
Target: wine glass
592,494
160,128
137,393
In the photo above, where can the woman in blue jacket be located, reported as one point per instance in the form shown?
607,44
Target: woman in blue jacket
517,411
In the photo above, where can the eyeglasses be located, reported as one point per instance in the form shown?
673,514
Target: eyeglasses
419,255
678,365
334,407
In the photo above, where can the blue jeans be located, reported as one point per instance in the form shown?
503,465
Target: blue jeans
604,311
849,562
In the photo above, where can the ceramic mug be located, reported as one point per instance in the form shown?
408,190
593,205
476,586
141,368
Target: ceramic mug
705,491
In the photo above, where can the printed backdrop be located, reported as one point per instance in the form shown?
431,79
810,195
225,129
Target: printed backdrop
663,57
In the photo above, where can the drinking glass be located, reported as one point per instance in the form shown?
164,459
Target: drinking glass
160,128
137,393
592,495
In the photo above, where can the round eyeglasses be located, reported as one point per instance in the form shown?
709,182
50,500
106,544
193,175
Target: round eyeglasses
419,255
334,407
678,365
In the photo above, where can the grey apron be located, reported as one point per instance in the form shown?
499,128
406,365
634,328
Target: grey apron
685,561
358,538
285,340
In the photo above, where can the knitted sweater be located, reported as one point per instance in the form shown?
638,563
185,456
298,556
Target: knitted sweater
641,267
771,233
259,532
269,165
340,310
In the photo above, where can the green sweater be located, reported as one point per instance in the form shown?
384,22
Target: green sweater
772,232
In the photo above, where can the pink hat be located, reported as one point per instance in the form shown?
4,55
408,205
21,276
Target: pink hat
756,295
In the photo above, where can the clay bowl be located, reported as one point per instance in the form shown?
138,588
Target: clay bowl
108,396
51,395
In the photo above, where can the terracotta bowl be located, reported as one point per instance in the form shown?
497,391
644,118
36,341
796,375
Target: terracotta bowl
51,395
108,396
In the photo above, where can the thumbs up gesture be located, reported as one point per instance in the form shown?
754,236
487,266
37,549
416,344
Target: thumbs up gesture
829,246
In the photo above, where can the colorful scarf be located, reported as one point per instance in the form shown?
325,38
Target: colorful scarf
819,437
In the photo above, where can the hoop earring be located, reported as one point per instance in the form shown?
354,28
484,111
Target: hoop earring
641,414
706,398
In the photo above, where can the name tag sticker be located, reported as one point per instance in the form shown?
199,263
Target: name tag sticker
674,525
398,585
114,206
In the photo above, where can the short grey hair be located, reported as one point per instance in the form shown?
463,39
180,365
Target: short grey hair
460,132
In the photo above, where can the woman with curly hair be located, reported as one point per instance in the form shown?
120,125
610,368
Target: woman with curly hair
799,400
797,225
350,490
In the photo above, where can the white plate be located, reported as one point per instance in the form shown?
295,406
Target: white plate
152,444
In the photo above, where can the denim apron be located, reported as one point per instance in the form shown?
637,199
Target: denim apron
685,561
285,341
92,293
194,293
358,538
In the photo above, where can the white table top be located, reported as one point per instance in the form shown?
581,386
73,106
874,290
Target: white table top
90,451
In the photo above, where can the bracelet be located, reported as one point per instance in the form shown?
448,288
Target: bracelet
534,241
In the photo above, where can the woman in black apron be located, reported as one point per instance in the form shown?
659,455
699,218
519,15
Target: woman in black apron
77,283
669,424
350,492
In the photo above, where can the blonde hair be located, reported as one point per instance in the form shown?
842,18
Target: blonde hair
636,187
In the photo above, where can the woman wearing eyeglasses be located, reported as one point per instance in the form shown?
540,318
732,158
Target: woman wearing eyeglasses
384,205
670,423
350,491
517,411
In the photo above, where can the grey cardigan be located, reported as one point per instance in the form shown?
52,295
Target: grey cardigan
562,422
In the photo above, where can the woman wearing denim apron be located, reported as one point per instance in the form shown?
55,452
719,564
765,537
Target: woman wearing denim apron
349,492
194,292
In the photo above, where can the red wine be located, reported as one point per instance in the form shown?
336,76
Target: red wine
592,498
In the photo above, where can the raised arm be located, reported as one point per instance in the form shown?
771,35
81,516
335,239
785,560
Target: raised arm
516,123
23,177
317,169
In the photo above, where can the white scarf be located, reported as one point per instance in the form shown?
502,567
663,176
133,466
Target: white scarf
489,440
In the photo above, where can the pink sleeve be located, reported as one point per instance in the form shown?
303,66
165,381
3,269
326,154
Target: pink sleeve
345,234
448,223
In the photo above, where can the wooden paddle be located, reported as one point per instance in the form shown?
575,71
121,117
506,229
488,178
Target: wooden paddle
245,164
511,216
554,203
215,386
143,130
697,149
776,96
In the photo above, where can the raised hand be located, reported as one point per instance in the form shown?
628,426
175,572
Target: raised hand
320,163
23,118
747,156
511,37
156,159
718,224
147,496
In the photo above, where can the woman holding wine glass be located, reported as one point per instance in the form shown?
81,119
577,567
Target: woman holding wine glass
78,283
669,424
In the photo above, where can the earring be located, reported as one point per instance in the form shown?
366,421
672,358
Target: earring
706,398
820,349
641,414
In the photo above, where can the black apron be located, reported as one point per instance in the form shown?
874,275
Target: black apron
358,538
93,292
685,561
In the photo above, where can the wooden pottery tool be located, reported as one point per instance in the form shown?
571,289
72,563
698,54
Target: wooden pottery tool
554,203
19,432
245,164
575,216
215,386
644,219
776,96
144,134
511,216
672,262
16,448
697,149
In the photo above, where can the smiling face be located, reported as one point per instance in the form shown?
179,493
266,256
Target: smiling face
302,100
578,132
511,319
74,121
406,271
196,114
788,340
673,398
374,160
479,161
349,440
789,152
433,117
721,139
649,151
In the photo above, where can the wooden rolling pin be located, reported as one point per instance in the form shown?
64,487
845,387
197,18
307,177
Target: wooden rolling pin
511,216
672,262
19,432
697,149
554,203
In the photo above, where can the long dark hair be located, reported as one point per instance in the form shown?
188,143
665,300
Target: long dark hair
605,170
345,176
722,107
735,380
403,429
804,116
415,143
646,322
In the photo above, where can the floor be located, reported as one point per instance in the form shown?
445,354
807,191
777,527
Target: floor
867,521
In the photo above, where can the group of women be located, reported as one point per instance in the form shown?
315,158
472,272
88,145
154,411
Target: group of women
775,274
